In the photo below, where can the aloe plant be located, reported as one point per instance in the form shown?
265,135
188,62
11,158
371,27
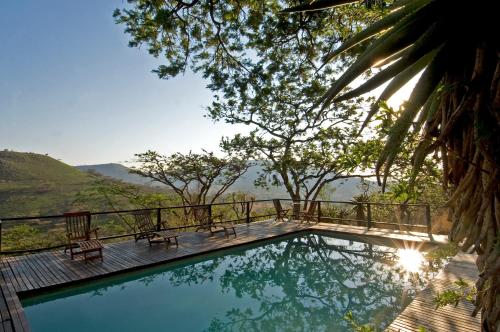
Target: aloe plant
454,107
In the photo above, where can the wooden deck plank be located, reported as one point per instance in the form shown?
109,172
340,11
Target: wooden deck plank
42,271
422,311
52,261
16,320
50,276
22,281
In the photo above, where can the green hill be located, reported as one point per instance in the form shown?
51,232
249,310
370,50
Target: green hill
30,167
32,184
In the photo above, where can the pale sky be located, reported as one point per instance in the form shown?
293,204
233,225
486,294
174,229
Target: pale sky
72,88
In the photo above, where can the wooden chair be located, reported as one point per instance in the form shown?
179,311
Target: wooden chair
78,233
281,213
206,221
147,229
310,215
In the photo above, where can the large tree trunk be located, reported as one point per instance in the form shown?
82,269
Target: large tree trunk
471,152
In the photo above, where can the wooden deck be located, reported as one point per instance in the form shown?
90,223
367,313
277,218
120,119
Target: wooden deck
48,270
422,312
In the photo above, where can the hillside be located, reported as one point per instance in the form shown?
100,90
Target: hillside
32,184
115,171
19,167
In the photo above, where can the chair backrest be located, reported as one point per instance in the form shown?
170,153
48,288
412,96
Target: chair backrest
201,214
143,221
78,225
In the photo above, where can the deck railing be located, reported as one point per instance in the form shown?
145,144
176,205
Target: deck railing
37,233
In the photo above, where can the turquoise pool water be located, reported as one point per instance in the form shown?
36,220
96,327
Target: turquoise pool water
305,282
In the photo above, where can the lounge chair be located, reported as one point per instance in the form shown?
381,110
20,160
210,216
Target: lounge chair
206,221
310,215
78,233
281,214
147,230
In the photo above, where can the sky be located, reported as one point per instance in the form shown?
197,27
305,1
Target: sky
70,87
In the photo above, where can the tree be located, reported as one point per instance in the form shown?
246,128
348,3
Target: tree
303,155
196,178
119,195
454,107
216,37
261,68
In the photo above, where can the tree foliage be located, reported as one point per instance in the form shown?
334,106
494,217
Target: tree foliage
304,161
261,67
196,178
216,37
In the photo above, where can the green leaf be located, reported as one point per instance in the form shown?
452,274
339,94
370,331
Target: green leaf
406,32
430,40
397,83
383,24
425,86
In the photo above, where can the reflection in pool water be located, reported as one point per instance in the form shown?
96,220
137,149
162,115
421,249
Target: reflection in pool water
410,260
306,282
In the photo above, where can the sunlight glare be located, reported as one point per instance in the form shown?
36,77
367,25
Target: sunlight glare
410,259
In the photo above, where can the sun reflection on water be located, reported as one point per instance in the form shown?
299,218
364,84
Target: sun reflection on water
410,259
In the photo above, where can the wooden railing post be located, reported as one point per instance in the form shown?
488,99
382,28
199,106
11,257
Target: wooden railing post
158,219
248,212
369,215
0,236
319,211
210,211
428,221
296,206
89,220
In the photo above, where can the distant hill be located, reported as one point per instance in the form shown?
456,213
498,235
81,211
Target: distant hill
344,189
341,190
116,171
19,167
32,184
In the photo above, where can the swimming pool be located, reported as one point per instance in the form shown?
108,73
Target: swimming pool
302,282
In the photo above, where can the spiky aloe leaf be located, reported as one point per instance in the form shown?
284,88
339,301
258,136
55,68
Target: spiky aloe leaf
397,83
424,88
393,57
318,5
429,109
408,31
425,44
372,30
419,155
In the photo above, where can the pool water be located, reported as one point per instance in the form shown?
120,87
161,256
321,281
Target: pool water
304,282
